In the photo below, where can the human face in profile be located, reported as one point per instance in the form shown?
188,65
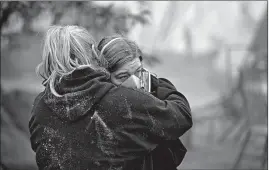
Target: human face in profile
125,71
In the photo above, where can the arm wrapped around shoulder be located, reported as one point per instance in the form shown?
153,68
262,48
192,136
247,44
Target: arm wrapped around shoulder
161,87
148,118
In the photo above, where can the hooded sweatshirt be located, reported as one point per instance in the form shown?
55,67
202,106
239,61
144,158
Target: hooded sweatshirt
98,126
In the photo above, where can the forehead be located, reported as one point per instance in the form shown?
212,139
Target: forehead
129,66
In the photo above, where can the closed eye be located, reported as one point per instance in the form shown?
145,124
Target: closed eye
122,76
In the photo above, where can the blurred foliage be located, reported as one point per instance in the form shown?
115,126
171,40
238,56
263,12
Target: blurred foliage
100,20
10,7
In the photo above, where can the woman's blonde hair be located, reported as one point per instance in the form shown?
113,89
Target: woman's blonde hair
65,49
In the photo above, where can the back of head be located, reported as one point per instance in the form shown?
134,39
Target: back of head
117,50
65,49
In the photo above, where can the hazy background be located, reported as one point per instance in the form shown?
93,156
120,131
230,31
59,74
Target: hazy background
214,52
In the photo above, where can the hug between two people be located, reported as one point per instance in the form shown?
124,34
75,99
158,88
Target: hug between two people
94,113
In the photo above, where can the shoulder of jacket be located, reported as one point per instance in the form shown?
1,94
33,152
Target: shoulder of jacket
118,96
38,102
39,97
130,93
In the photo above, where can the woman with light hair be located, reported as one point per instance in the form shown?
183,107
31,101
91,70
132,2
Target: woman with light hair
83,121
65,50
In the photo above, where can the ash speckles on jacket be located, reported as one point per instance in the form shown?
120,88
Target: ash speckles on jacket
98,126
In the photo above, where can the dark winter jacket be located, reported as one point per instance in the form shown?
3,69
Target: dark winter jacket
169,154
99,126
